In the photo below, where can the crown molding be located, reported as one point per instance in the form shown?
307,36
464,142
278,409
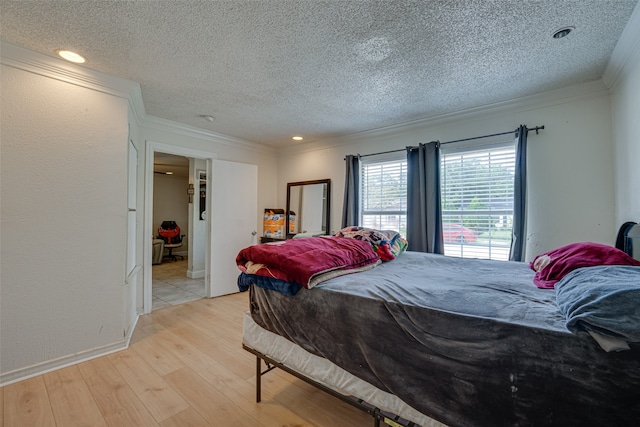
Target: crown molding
194,132
58,69
136,105
627,49
51,67
595,88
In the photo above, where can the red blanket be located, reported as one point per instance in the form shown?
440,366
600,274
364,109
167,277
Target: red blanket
552,266
302,260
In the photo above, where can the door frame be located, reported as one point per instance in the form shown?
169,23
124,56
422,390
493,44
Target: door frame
151,149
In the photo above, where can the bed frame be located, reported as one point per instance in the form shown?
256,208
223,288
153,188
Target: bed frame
377,414
632,241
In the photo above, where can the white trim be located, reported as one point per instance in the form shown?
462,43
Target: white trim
49,66
136,106
129,333
69,360
58,69
132,275
627,48
63,362
196,274
165,125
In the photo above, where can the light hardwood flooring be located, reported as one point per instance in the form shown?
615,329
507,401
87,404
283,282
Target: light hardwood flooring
185,367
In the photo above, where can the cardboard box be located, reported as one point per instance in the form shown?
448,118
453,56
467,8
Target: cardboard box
273,223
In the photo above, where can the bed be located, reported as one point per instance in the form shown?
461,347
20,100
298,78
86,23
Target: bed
430,340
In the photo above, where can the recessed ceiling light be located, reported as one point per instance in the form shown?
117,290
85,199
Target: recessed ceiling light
71,56
297,138
562,32
208,117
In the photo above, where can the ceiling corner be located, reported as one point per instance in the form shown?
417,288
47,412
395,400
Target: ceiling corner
628,47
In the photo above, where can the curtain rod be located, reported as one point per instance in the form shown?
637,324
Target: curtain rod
537,128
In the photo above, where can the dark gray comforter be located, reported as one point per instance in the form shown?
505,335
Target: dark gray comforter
467,342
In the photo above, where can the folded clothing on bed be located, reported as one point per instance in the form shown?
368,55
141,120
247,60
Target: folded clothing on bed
307,261
604,300
291,288
388,244
245,280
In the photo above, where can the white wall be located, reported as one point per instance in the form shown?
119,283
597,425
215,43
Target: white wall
64,296
570,163
626,113
171,203
63,216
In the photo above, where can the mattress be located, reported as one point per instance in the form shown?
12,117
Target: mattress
466,342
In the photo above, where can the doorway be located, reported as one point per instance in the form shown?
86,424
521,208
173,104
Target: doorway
233,223
150,227
175,277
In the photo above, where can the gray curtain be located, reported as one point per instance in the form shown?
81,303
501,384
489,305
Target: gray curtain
351,205
424,212
519,196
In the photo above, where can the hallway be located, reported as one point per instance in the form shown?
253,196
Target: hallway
171,286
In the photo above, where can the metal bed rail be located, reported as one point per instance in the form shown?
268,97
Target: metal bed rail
378,415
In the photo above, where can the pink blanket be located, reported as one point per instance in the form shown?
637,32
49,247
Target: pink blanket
302,260
552,266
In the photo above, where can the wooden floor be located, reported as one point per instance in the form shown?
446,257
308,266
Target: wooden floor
185,367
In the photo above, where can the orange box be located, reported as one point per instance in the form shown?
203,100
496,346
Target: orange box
273,223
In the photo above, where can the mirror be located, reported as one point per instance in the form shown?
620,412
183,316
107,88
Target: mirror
308,205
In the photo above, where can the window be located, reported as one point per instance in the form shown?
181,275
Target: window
477,201
476,194
384,195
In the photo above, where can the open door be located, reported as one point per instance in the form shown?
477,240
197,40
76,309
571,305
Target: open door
233,218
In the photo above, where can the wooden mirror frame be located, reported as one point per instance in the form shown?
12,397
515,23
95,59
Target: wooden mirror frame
327,207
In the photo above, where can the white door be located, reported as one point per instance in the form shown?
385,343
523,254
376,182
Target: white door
233,216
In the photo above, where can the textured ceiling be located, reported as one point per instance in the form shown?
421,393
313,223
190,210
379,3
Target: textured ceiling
267,70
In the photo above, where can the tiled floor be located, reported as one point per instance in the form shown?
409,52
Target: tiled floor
171,285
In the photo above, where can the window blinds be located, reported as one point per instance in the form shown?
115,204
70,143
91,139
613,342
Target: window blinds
384,195
477,201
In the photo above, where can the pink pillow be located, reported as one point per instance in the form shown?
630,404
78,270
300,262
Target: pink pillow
552,266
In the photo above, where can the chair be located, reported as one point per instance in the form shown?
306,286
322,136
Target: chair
169,232
171,247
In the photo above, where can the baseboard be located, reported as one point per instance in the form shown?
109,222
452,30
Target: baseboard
66,361
127,337
195,274
62,362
